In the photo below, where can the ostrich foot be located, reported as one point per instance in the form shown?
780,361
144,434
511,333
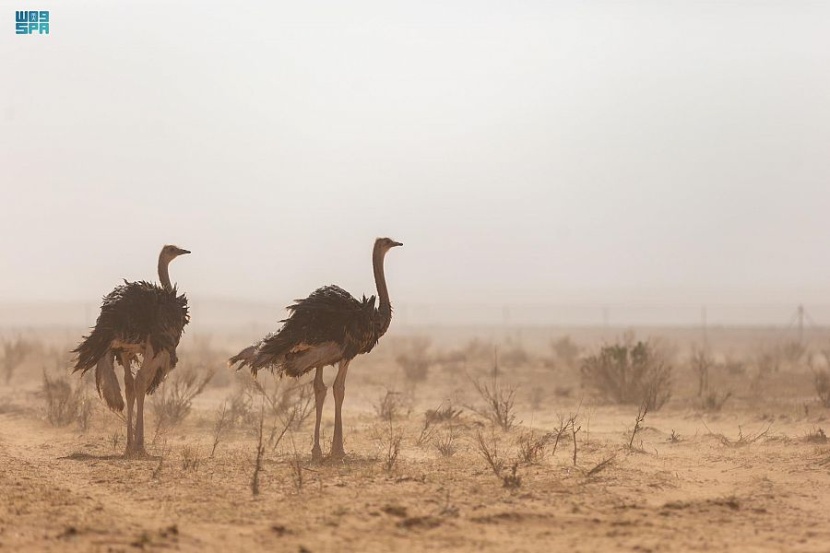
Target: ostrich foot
337,452
135,453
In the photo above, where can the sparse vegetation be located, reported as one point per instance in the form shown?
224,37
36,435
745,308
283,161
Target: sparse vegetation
817,436
579,457
286,407
221,426
190,458
444,413
390,443
566,352
514,355
742,440
821,382
14,352
532,446
260,453
602,465
391,405
66,402
173,400
641,416
713,401
499,401
701,362
488,449
630,373
445,443
414,360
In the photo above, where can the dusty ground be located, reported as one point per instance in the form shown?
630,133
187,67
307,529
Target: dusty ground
752,477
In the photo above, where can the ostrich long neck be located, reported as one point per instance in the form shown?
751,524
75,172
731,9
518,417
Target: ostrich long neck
385,307
164,275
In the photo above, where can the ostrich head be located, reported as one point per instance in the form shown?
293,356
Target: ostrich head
383,245
169,253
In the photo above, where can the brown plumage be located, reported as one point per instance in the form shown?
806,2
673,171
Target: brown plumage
328,327
137,319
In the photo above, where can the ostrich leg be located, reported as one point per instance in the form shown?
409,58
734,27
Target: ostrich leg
319,399
129,391
143,378
339,390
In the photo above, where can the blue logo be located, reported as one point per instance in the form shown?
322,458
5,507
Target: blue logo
31,22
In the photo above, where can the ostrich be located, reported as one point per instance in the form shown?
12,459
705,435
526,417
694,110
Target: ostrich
137,318
329,326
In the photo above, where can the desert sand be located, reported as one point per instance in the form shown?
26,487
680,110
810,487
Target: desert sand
751,474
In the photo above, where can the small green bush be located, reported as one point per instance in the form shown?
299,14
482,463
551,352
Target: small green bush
629,373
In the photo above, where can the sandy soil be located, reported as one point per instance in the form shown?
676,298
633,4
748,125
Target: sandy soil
752,477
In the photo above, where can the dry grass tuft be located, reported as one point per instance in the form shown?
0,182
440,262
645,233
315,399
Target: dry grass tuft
499,399
190,458
66,403
392,405
173,400
532,447
743,439
445,443
488,448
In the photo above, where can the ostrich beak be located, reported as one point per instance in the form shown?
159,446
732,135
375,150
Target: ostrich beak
396,243
182,252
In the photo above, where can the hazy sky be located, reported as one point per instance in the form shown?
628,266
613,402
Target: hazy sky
522,151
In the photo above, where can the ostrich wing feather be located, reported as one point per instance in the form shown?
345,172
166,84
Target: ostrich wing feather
330,315
132,314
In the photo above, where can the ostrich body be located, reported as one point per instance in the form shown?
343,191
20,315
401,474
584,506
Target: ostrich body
328,327
137,319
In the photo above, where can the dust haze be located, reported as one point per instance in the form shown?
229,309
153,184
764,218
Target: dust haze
609,326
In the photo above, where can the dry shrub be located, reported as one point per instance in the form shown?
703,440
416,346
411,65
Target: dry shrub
240,409
391,405
734,367
445,443
514,355
415,359
488,448
768,361
532,446
792,352
630,373
260,453
173,400
453,362
701,362
743,439
221,426
498,402
821,382
641,416
477,349
14,352
817,436
714,401
66,403
442,414
566,351
289,403
433,417
389,442
190,458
